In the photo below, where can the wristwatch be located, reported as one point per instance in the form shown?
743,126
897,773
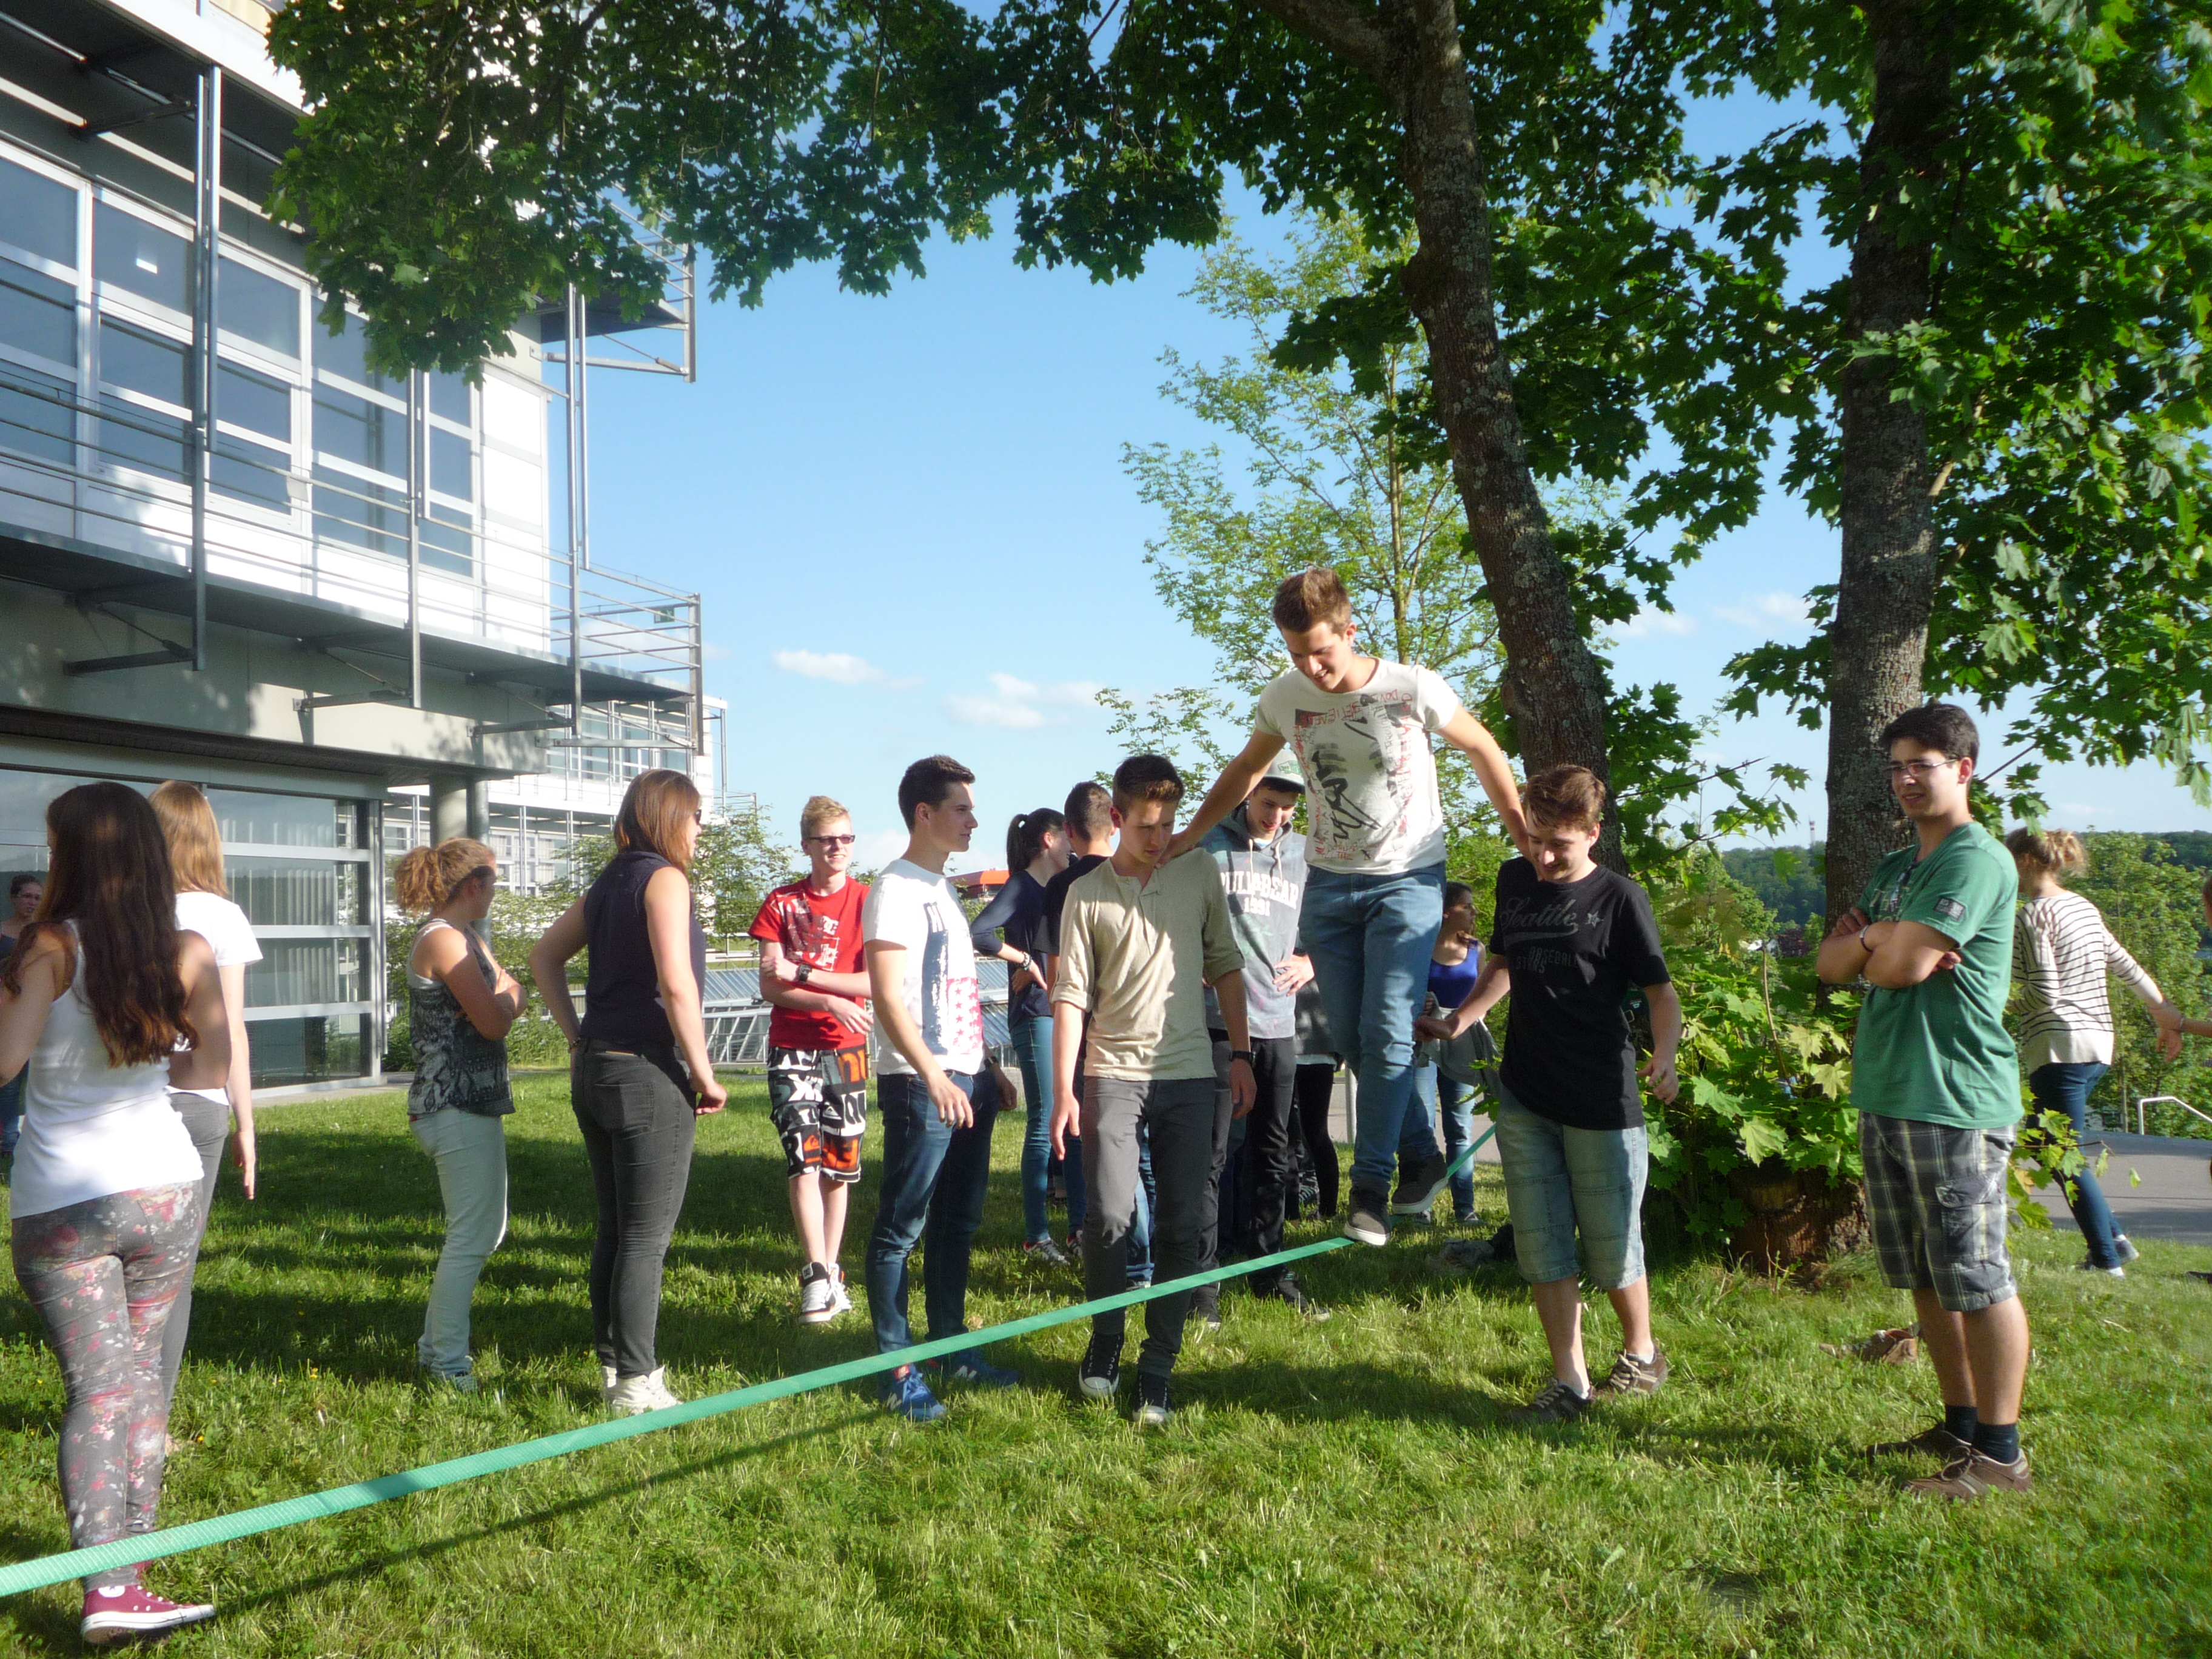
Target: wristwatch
1244,1054
805,972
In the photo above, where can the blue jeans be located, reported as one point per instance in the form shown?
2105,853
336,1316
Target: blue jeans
1032,1044
1370,937
2067,1088
933,1189
1438,1095
11,1112
1562,1183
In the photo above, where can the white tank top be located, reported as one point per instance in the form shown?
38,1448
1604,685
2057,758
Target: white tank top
91,1128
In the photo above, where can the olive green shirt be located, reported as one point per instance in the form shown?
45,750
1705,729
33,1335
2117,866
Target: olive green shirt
1138,959
1938,1052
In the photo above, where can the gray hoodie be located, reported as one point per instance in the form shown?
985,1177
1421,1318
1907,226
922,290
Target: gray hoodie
1266,885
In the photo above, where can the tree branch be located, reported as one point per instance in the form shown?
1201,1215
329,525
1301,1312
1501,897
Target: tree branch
1346,29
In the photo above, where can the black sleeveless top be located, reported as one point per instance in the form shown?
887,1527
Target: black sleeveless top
622,994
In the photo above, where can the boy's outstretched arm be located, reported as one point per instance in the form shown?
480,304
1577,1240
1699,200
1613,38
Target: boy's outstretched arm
1472,739
1236,782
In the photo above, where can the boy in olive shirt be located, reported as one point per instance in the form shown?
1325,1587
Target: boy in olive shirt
1140,939
1937,1082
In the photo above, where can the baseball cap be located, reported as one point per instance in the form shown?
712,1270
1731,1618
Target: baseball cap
1283,772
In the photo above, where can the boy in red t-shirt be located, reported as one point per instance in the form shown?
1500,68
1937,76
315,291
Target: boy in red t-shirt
817,1058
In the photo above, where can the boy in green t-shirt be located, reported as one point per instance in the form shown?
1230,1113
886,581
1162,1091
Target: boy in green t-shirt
1937,1082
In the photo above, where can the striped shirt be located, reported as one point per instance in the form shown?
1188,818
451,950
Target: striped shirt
2061,952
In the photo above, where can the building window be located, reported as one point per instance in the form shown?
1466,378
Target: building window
259,308
144,397
141,259
38,214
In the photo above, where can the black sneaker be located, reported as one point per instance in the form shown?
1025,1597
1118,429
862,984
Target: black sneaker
1418,1190
1369,1219
1153,1405
1101,1376
1205,1305
1287,1288
1558,1403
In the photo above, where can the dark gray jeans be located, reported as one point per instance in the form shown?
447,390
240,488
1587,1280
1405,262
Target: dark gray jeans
208,1123
635,1109
1180,1117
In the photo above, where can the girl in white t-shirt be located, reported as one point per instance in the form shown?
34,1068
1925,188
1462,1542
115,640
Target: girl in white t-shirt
205,1087
102,990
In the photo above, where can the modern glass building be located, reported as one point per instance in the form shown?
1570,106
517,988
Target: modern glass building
358,608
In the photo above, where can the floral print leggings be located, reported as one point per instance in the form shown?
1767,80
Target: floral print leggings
103,1275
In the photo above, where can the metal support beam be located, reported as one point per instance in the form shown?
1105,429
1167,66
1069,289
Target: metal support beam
174,654
207,180
417,502
572,424
346,699
159,113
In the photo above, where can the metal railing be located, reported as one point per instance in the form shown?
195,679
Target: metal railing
2144,1104
118,475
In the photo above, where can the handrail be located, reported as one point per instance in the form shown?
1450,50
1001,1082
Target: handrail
2144,1106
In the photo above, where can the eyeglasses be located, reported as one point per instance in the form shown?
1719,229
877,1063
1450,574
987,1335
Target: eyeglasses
831,843
1919,770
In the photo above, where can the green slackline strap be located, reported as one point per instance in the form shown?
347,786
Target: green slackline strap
337,1500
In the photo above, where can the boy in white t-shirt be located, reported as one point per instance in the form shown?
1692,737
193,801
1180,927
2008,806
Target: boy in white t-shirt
937,1092
1362,729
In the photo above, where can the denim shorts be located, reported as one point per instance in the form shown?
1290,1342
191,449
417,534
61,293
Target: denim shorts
1561,1182
1935,1195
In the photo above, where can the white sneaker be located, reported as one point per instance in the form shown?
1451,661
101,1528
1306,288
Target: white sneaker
818,1295
635,1394
843,1302
607,1380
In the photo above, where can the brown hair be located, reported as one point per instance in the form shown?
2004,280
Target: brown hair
2058,851
1147,777
111,877
195,843
429,876
927,782
1312,597
1085,809
819,810
1565,797
653,813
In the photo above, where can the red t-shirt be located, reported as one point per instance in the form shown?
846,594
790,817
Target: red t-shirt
822,930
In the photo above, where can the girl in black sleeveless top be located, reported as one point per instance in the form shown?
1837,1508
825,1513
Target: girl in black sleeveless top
640,1073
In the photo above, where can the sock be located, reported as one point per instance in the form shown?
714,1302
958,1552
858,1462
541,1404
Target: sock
1962,1420
1999,1441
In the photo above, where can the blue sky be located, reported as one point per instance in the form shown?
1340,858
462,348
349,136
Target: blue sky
910,527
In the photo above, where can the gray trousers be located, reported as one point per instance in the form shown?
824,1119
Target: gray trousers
1182,1118
208,1123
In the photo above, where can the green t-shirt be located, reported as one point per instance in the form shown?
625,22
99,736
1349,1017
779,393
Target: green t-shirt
1938,1052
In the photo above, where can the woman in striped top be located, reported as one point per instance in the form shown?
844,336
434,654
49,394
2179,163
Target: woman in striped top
2061,952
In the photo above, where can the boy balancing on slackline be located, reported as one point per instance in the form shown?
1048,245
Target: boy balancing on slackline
1140,939
1374,851
1571,942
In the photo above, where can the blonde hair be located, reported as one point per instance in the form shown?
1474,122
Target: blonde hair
195,843
819,810
429,876
2058,851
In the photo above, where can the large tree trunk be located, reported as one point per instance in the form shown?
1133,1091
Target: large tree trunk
1554,687
1878,642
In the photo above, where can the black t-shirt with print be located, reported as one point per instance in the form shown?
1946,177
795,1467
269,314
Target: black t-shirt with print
1576,951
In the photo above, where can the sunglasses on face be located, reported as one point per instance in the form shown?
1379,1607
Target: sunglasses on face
1919,770
831,843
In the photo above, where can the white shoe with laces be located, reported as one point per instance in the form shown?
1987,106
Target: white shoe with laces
842,1301
632,1395
607,1380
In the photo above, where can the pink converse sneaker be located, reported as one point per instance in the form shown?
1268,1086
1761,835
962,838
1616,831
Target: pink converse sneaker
110,1615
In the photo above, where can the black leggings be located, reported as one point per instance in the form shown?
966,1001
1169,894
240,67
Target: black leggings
1316,1087
635,1112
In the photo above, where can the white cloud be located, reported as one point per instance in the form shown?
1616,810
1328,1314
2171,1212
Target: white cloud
1020,705
1651,620
839,668
1765,611
874,849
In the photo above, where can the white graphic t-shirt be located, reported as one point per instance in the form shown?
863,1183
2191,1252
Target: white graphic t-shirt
917,911
1370,775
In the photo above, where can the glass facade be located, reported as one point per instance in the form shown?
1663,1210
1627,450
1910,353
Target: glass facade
311,1001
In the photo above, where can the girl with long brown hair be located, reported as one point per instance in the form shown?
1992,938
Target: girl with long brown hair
640,1073
203,1090
460,1006
100,993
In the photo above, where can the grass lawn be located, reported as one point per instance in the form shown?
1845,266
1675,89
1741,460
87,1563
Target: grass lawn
1347,1488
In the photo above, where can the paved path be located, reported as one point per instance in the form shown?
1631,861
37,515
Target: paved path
2175,1201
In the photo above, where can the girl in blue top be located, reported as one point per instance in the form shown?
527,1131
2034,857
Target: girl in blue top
1454,966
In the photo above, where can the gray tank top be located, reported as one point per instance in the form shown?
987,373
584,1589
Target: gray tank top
456,1067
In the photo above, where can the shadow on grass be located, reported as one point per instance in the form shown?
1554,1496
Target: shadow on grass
50,1627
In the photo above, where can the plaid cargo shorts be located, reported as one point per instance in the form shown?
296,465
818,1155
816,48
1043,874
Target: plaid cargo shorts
1937,1197
818,1099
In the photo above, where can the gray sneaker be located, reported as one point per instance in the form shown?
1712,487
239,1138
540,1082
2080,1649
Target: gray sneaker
2128,1252
1418,1192
1367,1220
1631,1375
1558,1403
